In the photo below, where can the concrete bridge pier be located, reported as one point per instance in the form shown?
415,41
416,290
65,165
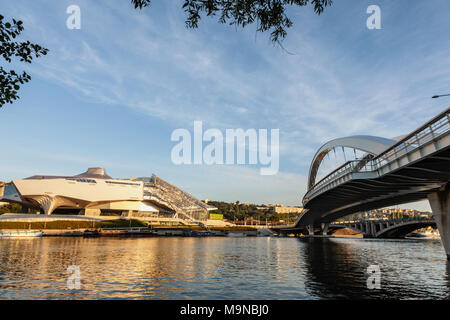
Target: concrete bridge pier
324,228
310,228
440,205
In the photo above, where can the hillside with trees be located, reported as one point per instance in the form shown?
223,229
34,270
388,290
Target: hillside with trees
243,211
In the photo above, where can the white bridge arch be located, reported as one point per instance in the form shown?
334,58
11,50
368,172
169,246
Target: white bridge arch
370,144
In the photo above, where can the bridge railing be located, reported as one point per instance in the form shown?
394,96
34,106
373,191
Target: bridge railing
431,130
348,167
399,220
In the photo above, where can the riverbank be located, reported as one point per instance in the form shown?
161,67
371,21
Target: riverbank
347,232
70,224
122,227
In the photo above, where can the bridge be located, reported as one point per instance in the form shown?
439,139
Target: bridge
369,228
380,228
390,172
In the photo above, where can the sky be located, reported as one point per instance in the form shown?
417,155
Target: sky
111,93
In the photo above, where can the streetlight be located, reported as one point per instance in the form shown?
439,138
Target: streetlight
438,96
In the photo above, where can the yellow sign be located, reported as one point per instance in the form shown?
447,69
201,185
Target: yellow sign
216,216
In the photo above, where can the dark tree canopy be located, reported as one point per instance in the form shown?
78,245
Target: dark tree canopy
10,81
270,15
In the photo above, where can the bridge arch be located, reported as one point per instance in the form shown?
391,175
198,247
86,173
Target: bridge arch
401,230
383,229
370,144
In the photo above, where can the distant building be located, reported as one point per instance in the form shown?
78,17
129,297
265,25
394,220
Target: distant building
279,208
94,193
285,209
2,184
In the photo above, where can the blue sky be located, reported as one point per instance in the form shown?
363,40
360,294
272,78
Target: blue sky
111,93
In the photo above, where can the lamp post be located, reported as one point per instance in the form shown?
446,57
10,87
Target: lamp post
441,95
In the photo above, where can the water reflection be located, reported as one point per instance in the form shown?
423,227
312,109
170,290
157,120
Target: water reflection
220,268
337,268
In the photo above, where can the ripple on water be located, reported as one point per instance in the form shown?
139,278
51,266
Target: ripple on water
222,268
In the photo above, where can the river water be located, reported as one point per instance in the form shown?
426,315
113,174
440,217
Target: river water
221,268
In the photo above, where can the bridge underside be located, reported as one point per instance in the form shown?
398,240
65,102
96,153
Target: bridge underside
410,183
378,231
371,230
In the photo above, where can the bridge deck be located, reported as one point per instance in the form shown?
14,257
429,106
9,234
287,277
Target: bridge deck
406,172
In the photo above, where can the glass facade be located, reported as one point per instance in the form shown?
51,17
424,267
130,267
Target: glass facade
10,193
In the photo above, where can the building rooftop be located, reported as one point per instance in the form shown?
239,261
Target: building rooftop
97,173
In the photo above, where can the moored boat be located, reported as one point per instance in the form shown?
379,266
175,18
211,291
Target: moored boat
120,232
426,233
195,233
20,234
236,234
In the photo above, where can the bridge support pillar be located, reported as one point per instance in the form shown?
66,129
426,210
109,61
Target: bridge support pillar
324,227
440,205
310,229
